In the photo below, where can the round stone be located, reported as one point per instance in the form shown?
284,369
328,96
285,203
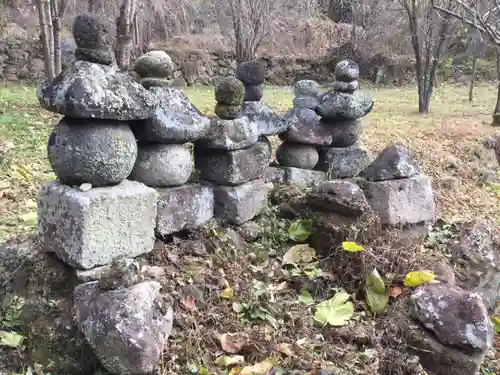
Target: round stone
297,155
101,153
347,71
251,72
348,87
309,102
229,91
253,93
227,112
93,31
306,87
162,165
156,64
344,133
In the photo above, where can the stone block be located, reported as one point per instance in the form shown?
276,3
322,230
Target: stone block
402,202
303,177
239,204
93,228
184,207
231,135
340,162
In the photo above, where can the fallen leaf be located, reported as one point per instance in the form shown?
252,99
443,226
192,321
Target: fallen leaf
418,278
227,293
305,297
229,361
395,291
299,254
261,368
189,303
235,371
281,286
352,247
286,349
377,301
232,343
11,339
336,311
85,187
29,218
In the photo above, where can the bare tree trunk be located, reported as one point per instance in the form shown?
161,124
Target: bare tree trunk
125,34
45,37
472,77
92,6
56,24
496,112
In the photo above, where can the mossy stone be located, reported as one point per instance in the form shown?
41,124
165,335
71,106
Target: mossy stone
229,91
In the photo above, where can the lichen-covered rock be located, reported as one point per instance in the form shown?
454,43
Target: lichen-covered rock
176,120
231,134
93,31
227,112
268,121
128,328
92,228
343,162
344,106
348,87
347,71
92,91
457,317
229,91
476,257
104,56
156,64
251,72
297,155
161,165
306,87
305,128
150,82
253,93
305,102
302,178
394,162
343,133
275,175
234,167
90,151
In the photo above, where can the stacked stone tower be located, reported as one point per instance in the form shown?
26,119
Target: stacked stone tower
165,161
91,215
341,110
234,157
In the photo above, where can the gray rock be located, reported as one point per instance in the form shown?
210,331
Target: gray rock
347,71
176,120
402,202
104,56
231,134
268,121
476,257
148,83
156,64
348,87
96,152
89,229
340,162
305,102
161,165
229,91
394,162
251,72
275,175
128,328
234,167
457,317
297,155
86,90
344,133
93,31
306,87
344,106
239,204
253,93
174,214
305,128
227,112
303,177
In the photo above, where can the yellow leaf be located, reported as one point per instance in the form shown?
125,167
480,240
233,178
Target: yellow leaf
235,371
30,203
352,247
261,368
29,218
11,339
418,278
229,361
227,293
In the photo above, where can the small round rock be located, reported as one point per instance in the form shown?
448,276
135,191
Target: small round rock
93,31
297,155
101,153
227,112
229,91
347,71
306,87
251,72
253,93
157,64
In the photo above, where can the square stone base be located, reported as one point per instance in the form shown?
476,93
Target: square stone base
303,177
92,228
184,207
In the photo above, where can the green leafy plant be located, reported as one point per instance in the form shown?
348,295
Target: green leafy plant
300,230
336,311
253,311
376,293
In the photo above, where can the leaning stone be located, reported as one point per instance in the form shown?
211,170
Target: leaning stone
394,162
104,56
231,134
275,175
176,120
348,87
305,128
184,207
303,177
305,102
234,167
94,91
89,229
128,328
347,71
93,31
297,155
239,204
157,64
268,121
161,165
227,112
344,133
344,106
251,72
306,87
457,317
340,162
229,91
253,93
402,202
88,151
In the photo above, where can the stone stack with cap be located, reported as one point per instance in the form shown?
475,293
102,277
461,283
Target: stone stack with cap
165,161
397,191
341,110
298,155
92,214
252,74
233,158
